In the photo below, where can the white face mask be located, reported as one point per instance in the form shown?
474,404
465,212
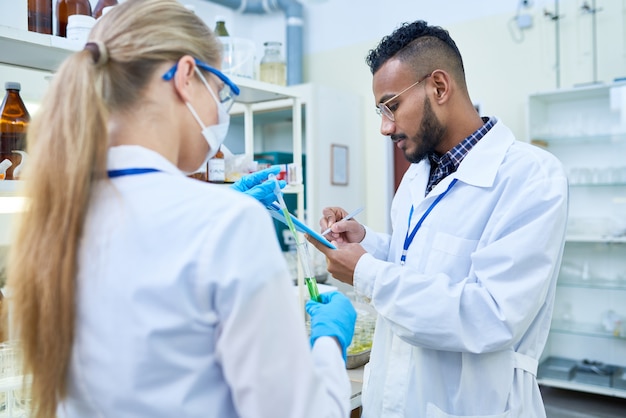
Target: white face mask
214,134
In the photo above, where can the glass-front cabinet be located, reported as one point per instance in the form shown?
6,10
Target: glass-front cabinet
585,128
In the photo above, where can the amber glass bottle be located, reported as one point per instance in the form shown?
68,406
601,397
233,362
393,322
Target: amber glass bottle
40,16
217,168
66,8
14,121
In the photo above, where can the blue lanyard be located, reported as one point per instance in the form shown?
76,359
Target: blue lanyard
130,172
409,238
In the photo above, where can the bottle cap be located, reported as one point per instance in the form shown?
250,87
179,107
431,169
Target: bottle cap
12,85
4,165
81,21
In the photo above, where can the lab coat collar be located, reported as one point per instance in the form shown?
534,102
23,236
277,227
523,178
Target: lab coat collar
481,164
478,168
135,156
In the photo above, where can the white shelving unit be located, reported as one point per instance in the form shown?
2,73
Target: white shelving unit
586,129
31,50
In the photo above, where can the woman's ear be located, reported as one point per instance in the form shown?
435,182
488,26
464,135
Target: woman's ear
183,77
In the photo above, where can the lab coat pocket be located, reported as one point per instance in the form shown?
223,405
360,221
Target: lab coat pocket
450,255
433,412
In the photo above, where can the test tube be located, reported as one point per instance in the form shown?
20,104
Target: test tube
309,278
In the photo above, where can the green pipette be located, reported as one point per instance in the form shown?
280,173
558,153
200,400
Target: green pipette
303,252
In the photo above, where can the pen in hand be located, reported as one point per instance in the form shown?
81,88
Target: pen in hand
346,218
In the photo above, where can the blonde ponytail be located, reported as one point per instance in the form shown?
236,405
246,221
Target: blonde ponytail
67,143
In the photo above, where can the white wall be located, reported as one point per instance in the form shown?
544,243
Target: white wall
501,70
503,64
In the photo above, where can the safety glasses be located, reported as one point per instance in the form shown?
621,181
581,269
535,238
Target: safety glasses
226,94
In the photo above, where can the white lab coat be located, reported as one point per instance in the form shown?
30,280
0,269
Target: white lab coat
462,325
185,307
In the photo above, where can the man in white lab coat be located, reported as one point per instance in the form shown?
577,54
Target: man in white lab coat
464,286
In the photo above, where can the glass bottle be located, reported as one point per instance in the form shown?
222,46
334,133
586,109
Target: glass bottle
97,11
227,47
14,121
220,26
66,8
40,16
273,67
217,168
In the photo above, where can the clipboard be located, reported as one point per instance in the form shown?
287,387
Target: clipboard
277,214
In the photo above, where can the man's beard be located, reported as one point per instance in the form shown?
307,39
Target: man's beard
428,137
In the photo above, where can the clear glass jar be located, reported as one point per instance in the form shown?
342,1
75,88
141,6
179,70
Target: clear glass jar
273,68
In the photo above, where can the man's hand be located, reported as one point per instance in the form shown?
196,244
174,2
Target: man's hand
342,261
341,232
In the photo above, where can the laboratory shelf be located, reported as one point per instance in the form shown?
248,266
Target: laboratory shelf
595,239
583,329
33,50
580,93
582,387
606,138
593,283
599,184
11,187
46,52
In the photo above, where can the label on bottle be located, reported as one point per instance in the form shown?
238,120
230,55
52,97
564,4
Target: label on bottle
217,170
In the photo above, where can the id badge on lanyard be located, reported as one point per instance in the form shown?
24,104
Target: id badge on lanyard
409,237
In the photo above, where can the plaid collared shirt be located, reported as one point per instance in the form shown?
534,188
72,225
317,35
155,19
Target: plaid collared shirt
449,162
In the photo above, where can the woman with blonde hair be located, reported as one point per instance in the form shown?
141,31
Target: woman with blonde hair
137,291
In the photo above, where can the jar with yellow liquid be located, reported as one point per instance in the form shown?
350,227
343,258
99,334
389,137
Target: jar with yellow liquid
273,68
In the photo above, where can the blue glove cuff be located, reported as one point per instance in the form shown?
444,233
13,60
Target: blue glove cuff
333,316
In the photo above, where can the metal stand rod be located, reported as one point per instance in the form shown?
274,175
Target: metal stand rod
557,39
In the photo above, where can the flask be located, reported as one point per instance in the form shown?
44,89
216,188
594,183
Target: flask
66,8
40,16
217,168
97,11
273,68
13,124
227,47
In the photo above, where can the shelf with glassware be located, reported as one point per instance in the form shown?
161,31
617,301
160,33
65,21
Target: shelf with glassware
46,52
586,129
29,50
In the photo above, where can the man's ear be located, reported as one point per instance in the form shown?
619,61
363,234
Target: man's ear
442,83
183,77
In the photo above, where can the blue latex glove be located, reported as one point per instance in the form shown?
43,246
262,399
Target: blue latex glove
334,316
255,185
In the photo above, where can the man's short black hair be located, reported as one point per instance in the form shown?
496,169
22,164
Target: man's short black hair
424,47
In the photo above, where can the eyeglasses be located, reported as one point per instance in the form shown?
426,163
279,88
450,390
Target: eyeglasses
226,94
383,109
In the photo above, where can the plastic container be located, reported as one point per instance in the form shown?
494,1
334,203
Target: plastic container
557,368
78,28
238,56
